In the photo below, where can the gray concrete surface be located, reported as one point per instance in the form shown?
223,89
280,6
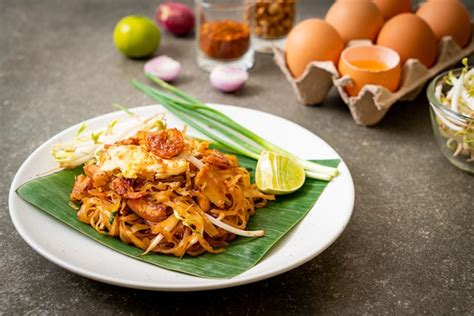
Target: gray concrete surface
407,250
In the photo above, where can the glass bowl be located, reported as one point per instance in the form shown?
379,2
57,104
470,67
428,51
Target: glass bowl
453,131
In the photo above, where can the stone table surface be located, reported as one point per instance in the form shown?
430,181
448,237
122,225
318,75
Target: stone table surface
407,249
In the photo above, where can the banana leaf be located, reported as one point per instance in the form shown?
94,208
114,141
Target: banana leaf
51,195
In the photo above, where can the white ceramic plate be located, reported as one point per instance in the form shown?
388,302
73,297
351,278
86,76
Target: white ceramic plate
79,254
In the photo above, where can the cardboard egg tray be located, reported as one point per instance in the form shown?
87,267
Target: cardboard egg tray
373,101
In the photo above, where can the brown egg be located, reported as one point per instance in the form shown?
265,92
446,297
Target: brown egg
390,8
355,19
411,37
447,18
311,40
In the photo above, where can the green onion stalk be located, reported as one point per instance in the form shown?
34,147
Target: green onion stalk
239,139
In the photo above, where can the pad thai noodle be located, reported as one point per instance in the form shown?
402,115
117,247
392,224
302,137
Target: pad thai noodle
166,193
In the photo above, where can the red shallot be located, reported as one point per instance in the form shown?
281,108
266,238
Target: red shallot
164,67
228,78
175,17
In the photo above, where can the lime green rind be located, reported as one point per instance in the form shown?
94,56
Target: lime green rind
51,195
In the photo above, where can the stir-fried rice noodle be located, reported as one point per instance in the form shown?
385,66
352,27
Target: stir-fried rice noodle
156,189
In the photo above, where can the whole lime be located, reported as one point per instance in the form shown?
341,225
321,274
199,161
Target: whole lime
136,36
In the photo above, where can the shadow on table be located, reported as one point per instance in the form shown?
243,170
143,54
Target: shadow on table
299,290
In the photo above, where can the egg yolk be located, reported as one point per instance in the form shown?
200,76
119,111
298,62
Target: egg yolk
369,64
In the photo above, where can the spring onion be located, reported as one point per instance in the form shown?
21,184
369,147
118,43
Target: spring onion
237,137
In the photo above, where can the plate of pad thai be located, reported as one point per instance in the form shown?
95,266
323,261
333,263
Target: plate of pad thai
147,198
165,193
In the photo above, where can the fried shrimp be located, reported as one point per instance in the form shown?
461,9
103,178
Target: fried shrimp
165,144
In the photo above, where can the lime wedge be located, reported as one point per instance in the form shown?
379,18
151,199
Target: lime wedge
278,174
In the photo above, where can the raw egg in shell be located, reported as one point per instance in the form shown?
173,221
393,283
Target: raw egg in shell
447,19
411,37
355,19
390,8
311,40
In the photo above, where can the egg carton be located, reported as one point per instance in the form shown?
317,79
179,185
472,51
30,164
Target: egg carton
373,101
